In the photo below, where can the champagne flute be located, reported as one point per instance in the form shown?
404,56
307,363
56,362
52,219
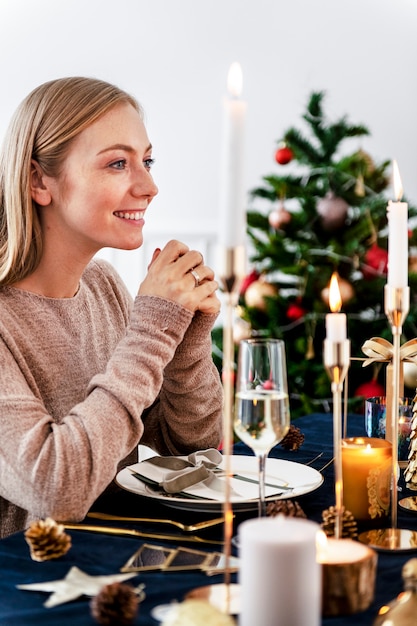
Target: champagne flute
262,415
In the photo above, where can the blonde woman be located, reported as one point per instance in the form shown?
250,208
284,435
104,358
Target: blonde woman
86,373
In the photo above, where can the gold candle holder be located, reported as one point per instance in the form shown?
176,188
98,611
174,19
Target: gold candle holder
232,271
336,361
397,304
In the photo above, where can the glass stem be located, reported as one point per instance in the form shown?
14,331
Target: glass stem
261,478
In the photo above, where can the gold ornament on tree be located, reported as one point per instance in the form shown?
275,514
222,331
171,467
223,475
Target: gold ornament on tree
333,211
47,540
279,217
258,291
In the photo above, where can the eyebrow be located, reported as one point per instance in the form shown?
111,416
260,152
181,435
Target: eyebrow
122,146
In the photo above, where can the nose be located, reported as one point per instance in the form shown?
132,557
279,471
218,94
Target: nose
144,185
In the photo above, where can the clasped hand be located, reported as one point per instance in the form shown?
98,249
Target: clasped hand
169,276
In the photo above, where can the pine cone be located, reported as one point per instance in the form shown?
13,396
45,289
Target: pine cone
349,524
293,439
115,605
47,540
289,508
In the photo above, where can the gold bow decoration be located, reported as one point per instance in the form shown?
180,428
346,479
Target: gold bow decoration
380,350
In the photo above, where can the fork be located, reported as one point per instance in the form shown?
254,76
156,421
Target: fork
187,528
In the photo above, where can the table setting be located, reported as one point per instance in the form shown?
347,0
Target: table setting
102,553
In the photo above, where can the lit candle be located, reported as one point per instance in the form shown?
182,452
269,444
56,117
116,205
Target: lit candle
279,575
335,321
397,214
366,468
346,565
232,190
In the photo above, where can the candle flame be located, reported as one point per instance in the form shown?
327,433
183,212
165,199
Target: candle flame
398,187
235,80
335,299
321,546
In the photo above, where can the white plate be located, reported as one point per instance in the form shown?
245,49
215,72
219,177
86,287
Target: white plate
302,478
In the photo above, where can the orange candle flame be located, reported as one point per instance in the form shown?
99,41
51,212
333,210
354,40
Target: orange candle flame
335,299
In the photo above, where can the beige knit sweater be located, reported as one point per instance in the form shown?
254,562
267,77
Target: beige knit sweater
77,378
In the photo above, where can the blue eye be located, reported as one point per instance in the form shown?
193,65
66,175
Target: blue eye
148,163
120,164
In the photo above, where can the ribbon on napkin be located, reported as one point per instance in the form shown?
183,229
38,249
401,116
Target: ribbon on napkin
188,471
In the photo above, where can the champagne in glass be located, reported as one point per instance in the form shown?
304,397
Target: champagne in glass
262,416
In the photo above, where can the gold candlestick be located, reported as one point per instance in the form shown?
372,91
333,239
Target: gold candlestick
336,361
232,272
397,304
233,267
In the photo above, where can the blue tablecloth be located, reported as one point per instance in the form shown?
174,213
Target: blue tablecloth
99,554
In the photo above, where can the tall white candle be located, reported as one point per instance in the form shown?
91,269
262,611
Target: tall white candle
397,214
335,321
279,574
232,189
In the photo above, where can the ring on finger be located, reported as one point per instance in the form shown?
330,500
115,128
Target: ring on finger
196,277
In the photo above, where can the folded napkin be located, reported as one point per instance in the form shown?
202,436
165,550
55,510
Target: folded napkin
199,476
195,468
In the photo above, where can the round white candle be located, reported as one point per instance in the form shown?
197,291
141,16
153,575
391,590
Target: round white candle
397,214
341,551
232,190
279,574
336,327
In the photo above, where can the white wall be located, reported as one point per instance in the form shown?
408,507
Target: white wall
174,56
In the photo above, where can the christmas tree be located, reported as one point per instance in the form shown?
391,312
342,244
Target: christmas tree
328,214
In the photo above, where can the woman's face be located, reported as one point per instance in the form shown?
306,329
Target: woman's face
100,198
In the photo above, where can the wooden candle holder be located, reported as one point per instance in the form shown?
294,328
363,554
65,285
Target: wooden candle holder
348,577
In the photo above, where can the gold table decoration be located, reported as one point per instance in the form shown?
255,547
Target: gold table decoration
397,305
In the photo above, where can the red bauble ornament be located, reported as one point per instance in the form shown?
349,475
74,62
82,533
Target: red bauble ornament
284,154
279,217
248,280
295,312
376,262
333,211
370,389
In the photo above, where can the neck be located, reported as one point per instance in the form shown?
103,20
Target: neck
53,281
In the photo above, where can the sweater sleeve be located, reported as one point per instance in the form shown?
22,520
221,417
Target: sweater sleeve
188,415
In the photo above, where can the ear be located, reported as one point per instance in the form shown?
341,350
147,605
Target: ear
38,188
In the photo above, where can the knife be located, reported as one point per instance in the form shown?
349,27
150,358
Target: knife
137,533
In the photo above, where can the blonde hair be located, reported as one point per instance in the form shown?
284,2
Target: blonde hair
43,127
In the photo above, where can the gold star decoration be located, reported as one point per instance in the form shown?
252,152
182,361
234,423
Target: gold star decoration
75,584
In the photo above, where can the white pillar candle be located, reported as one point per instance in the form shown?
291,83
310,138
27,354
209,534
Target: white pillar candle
397,214
232,189
336,327
279,574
